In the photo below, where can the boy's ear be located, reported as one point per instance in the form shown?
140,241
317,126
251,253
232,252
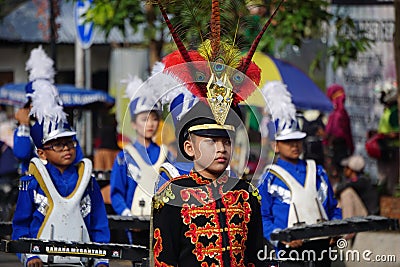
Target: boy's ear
133,124
275,146
188,147
41,153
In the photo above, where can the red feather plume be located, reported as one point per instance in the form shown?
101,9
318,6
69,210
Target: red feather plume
189,73
243,90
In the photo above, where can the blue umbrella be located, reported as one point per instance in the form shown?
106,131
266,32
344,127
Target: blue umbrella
14,94
305,93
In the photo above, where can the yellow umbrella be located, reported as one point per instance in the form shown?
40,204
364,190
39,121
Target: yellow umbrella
305,93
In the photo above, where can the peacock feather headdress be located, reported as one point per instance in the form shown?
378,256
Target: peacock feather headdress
216,72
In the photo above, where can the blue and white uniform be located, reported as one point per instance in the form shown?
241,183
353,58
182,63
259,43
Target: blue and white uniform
34,205
126,173
277,197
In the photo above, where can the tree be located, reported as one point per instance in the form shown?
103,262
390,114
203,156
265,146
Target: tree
295,21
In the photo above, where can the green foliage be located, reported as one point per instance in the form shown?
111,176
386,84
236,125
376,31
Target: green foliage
299,20
295,22
109,14
349,43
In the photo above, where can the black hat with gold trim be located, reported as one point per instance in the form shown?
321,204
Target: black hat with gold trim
199,120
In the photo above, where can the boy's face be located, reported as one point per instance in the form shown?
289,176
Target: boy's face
347,172
59,152
146,124
289,150
211,155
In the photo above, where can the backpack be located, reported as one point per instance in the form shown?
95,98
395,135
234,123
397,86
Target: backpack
375,145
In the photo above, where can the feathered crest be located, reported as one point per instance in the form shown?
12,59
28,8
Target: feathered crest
216,80
133,87
158,89
168,86
40,66
279,102
46,102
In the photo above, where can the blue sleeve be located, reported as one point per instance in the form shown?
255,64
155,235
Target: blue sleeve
274,212
23,147
99,230
330,204
24,210
119,185
79,152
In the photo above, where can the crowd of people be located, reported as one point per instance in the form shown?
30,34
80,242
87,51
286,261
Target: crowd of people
198,205
201,210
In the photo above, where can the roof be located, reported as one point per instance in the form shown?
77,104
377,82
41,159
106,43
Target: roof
27,23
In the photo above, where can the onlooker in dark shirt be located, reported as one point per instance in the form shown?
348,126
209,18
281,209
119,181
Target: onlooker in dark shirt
362,186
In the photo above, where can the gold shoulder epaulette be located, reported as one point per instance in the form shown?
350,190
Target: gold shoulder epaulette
163,196
254,191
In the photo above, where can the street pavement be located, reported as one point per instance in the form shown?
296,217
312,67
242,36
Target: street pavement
10,260
382,244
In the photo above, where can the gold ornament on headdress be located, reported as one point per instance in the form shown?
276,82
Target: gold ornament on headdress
219,97
255,3
226,85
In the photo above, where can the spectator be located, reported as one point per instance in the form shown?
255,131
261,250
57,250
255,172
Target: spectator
314,127
338,137
388,163
356,195
105,154
108,148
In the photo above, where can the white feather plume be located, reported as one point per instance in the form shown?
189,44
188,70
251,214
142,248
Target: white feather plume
147,91
46,102
279,102
168,85
40,66
157,68
133,87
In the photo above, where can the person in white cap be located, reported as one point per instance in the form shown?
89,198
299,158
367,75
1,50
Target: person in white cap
357,196
293,191
58,199
41,83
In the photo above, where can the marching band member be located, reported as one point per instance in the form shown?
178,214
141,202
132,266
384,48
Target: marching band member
293,191
58,199
135,170
41,74
207,217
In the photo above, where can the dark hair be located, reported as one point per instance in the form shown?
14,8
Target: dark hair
133,118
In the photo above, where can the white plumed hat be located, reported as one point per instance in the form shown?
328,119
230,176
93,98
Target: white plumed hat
282,110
